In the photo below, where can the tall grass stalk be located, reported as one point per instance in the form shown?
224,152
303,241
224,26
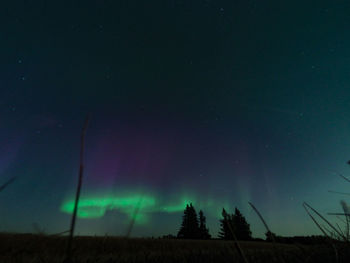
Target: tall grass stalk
77,195
268,231
336,192
340,229
10,181
346,221
341,219
346,179
237,246
306,206
347,217
133,218
345,209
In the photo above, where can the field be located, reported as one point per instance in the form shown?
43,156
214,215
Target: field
39,248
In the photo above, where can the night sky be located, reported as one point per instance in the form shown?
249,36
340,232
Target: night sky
212,102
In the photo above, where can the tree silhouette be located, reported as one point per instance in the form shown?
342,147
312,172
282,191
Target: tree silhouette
189,228
203,230
235,223
240,226
225,232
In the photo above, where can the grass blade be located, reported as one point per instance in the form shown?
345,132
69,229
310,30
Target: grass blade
134,216
306,206
338,214
336,192
260,216
80,180
237,246
10,181
346,179
324,219
314,220
268,231
347,217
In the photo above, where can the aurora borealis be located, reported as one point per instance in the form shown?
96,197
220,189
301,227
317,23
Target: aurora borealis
97,207
218,103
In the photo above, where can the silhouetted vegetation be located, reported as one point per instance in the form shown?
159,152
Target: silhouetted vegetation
190,226
47,249
225,232
235,222
203,230
10,181
304,240
270,236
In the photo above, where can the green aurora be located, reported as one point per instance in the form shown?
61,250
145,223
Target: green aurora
136,207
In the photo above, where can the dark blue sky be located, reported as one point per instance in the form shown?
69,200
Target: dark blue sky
214,102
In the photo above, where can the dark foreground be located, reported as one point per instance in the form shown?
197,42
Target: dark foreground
37,248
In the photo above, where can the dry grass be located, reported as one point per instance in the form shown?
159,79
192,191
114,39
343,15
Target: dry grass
37,248
80,181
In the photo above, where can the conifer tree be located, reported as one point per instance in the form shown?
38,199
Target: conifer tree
235,223
225,232
203,230
189,228
240,226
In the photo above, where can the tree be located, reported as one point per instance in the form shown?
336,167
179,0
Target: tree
225,224
234,224
240,226
203,230
189,228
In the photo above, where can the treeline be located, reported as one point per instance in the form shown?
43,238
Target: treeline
232,226
305,240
